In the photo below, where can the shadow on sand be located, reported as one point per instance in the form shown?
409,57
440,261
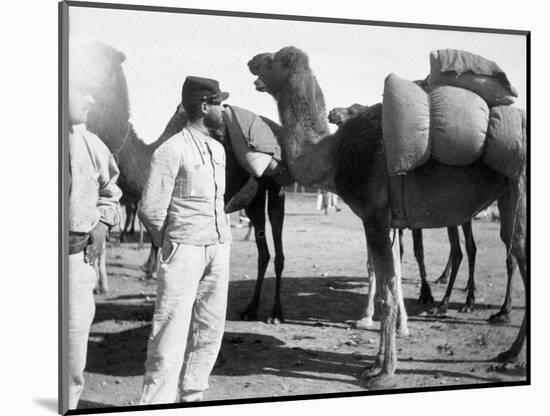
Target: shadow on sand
307,301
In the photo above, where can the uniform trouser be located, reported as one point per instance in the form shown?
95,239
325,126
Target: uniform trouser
82,279
188,323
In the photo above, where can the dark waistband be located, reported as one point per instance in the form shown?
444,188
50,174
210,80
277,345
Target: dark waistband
77,242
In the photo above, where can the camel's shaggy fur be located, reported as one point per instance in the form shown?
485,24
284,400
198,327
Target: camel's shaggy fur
97,70
100,74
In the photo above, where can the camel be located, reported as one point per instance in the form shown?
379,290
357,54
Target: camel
102,286
131,208
352,163
109,120
103,78
339,116
243,191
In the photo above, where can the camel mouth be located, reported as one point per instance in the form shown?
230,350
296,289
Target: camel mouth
260,85
334,118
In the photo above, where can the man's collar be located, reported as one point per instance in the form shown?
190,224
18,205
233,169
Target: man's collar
205,132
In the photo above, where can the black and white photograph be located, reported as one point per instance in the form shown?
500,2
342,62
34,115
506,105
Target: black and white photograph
258,210
264,209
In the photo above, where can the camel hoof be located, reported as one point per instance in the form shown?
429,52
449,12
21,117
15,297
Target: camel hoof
499,318
101,291
467,308
438,310
151,276
378,382
369,372
363,323
426,300
275,320
441,280
508,356
403,332
248,315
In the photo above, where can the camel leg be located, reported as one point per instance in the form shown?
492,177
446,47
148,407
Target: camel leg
249,232
141,227
276,214
377,230
503,316
444,278
426,297
402,327
456,256
129,219
513,232
133,208
151,265
141,236
471,250
103,281
325,202
401,246
366,319
256,213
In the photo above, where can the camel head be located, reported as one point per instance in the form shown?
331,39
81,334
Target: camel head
275,69
339,115
96,69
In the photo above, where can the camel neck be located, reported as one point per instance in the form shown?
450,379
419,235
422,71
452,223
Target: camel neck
309,146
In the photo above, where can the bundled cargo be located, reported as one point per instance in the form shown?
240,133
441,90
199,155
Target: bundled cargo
254,140
458,125
472,72
405,124
505,149
451,125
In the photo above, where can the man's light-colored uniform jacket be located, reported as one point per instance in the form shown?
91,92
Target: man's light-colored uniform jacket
94,194
183,199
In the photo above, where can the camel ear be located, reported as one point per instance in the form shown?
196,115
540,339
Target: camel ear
121,57
289,58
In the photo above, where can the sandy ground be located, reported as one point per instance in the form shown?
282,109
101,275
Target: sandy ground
324,287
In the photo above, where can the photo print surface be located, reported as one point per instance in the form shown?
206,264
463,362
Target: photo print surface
259,207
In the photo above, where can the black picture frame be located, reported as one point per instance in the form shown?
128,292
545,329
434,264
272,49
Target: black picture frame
63,167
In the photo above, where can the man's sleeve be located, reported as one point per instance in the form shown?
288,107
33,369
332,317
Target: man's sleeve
157,193
109,192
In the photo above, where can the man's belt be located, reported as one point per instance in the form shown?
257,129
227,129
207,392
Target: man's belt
77,242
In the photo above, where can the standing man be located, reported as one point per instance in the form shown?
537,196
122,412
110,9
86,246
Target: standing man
93,210
183,208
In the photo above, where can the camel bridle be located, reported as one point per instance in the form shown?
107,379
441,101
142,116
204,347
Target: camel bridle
115,154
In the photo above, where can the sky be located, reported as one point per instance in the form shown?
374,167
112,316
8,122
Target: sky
349,61
32,153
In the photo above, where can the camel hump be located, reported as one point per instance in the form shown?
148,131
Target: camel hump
472,72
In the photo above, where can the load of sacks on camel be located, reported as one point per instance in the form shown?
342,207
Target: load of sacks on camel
459,114
255,142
